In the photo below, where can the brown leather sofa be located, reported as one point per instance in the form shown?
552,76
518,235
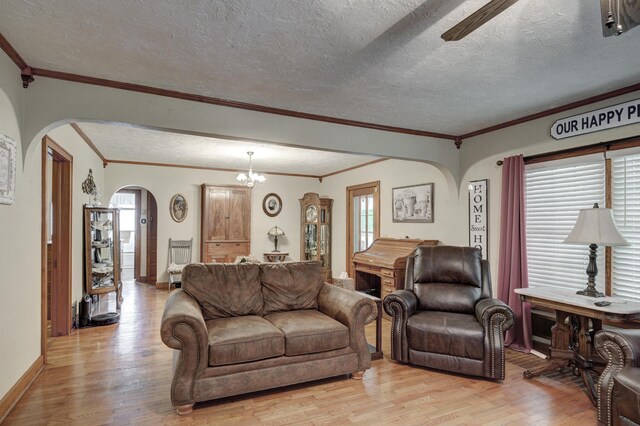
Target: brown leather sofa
445,317
247,327
618,389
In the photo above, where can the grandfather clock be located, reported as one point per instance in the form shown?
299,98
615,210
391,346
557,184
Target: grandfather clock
315,219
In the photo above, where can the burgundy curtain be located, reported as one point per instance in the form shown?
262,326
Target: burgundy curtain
512,268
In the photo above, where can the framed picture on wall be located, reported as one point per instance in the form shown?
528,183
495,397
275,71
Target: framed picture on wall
178,208
271,204
413,203
7,170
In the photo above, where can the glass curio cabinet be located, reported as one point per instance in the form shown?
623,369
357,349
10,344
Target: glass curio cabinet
316,230
102,251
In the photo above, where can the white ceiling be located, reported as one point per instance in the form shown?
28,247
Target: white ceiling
375,61
134,144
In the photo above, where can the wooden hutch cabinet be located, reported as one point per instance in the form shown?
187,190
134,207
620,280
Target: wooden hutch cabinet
225,231
102,251
315,217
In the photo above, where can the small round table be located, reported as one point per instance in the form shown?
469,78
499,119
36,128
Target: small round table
276,256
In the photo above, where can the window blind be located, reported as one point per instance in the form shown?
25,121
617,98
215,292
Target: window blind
625,202
554,195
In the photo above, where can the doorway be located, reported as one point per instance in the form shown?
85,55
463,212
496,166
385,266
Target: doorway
363,217
57,173
138,232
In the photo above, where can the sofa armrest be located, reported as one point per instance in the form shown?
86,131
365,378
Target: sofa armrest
496,317
620,348
400,305
183,328
353,310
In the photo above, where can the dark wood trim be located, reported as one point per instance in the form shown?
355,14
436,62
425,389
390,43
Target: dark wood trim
562,108
219,169
62,242
23,384
368,163
12,53
86,138
152,239
229,103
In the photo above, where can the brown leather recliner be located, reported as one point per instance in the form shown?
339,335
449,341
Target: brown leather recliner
618,390
445,317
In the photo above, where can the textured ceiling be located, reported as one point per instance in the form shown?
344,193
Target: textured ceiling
370,60
128,143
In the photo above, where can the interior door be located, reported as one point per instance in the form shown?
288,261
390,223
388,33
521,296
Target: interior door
58,181
238,217
363,217
152,239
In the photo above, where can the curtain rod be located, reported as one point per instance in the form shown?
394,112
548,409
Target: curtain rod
629,142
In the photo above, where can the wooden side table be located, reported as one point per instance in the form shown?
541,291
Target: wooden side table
577,320
276,256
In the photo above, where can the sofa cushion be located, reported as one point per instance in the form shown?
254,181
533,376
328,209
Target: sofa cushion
243,339
447,333
290,286
224,290
309,331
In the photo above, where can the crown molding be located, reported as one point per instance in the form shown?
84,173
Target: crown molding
562,108
12,53
87,139
59,75
28,73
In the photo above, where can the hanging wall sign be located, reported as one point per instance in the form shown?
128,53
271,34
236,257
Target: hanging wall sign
478,223
601,119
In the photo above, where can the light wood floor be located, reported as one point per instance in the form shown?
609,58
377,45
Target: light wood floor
121,374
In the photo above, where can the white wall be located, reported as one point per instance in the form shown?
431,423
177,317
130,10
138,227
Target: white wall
392,174
165,182
83,159
19,244
478,158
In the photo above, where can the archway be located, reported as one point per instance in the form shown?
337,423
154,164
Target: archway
138,233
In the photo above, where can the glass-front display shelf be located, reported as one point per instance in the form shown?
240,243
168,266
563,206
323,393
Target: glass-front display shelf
102,254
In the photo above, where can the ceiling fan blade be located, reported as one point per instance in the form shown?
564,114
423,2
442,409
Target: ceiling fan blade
628,16
477,19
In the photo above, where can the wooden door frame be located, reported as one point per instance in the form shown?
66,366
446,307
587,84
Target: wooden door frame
152,217
376,218
62,170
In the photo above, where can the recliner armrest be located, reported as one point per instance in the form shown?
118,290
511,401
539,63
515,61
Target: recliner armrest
183,328
486,308
407,300
400,304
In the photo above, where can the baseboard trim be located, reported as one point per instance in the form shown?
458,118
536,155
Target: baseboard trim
18,390
162,285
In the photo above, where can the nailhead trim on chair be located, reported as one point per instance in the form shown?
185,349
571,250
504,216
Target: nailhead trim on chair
492,340
608,346
397,321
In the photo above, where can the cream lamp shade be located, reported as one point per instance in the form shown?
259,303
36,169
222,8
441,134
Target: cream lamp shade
275,232
594,226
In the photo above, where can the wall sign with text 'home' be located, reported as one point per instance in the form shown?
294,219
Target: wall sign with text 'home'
601,119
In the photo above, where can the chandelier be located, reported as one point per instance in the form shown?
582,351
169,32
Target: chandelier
250,179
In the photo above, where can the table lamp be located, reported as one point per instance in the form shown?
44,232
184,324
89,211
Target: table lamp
275,232
594,226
